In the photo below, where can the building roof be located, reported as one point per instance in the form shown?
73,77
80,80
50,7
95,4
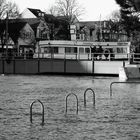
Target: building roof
31,21
14,27
18,24
50,18
36,12
13,24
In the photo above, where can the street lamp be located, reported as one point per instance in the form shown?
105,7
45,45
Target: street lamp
7,35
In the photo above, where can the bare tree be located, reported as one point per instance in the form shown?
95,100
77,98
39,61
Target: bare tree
115,16
13,10
114,24
8,10
2,8
70,9
8,7
52,10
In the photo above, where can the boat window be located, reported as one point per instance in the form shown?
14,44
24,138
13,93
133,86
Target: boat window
87,50
75,50
55,49
121,50
81,50
125,50
71,50
47,50
51,49
67,50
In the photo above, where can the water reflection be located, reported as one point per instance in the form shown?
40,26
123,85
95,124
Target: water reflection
116,118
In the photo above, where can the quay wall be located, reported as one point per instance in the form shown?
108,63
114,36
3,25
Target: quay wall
63,66
131,71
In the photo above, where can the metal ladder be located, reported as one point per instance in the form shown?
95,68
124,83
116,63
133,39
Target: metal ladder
67,101
89,89
42,107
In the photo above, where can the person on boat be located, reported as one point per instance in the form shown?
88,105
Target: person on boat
93,52
100,51
27,54
112,54
31,54
106,53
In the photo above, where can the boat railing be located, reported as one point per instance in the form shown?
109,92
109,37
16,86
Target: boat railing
127,82
133,57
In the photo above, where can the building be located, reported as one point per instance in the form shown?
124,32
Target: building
34,25
41,23
100,31
49,28
19,32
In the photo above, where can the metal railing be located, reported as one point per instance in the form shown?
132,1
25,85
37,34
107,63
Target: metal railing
75,56
89,89
86,56
133,57
42,107
76,101
121,83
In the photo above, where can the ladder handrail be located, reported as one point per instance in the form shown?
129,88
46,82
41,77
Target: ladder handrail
42,106
93,96
67,101
129,82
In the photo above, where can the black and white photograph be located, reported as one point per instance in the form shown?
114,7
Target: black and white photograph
69,69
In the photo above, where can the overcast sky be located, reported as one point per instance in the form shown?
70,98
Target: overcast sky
93,8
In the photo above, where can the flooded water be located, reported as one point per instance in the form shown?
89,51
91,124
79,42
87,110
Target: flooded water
116,118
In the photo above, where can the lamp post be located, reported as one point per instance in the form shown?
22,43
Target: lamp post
7,35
